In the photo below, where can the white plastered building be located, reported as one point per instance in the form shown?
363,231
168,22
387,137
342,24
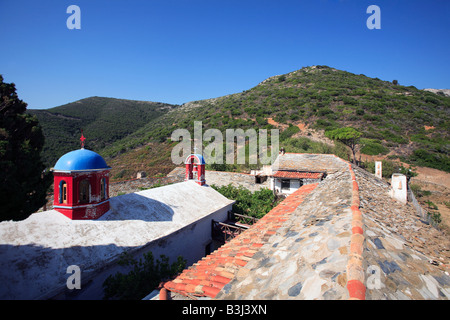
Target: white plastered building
173,220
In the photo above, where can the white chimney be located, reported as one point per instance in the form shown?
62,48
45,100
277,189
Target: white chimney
378,169
399,187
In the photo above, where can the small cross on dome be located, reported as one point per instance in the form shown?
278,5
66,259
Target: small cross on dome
82,140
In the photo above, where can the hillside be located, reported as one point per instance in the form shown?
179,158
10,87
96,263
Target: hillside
412,122
103,120
398,122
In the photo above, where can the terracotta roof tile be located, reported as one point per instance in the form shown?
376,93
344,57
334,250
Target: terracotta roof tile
209,275
297,175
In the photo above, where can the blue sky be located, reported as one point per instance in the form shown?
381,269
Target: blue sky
177,51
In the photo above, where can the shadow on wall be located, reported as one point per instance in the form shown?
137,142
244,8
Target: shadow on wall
33,272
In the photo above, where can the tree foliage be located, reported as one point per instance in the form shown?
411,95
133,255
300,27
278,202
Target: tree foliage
255,204
23,184
348,136
143,278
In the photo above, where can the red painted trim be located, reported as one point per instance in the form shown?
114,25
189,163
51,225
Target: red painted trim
356,289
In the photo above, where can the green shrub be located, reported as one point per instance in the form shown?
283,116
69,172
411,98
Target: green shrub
143,278
436,217
388,167
422,157
306,145
372,147
389,136
431,205
289,132
255,204
418,192
324,124
324,111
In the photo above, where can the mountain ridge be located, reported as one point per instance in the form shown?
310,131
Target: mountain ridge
391,116
103,121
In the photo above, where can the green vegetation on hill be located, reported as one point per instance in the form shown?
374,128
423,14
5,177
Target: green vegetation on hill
391,117
104,121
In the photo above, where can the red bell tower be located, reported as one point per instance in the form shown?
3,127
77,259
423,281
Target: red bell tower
195,163
81,184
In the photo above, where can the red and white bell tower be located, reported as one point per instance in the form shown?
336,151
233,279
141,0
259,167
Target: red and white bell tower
195,163
81,184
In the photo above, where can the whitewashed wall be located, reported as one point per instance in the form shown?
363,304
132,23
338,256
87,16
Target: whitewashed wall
188,242
294,185
275,184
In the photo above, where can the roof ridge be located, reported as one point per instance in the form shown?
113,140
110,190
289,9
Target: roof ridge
355,271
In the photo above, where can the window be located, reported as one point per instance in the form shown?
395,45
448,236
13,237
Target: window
85,187
62,192
103,188
285,184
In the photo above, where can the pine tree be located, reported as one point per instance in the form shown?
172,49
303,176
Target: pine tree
348,136
23,182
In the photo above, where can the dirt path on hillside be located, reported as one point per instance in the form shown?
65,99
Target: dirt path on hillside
434,176
425,174
305,131
438,182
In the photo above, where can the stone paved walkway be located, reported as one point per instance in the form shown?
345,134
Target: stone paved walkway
222,178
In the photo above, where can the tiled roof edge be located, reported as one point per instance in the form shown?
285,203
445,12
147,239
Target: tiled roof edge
209,275
355,272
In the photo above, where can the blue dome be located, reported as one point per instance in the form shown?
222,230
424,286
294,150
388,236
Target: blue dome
201,158
81,159
198,156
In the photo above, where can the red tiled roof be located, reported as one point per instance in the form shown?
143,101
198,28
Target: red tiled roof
209,275
298,175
